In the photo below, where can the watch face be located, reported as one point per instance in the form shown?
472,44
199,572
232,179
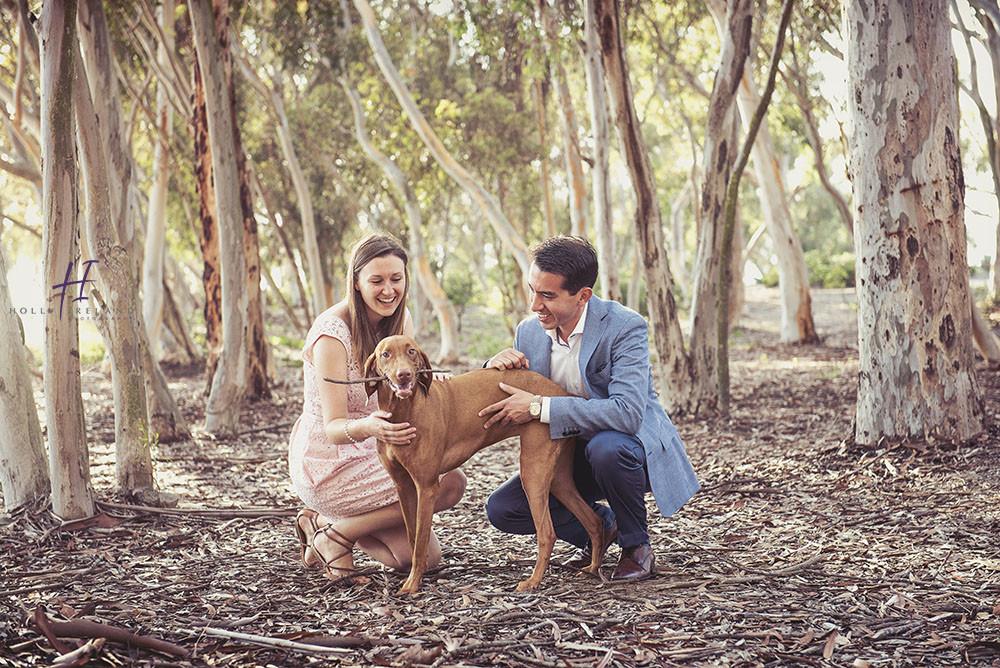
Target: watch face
535,409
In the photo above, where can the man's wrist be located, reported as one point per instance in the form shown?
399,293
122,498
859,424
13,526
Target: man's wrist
535,407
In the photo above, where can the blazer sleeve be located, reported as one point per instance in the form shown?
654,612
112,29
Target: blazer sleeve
626,382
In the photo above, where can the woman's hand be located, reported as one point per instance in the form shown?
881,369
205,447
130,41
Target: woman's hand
394,433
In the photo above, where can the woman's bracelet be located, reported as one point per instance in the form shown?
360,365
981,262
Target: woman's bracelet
348,434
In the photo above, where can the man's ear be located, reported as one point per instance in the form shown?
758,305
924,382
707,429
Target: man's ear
585,294
370,371
425,378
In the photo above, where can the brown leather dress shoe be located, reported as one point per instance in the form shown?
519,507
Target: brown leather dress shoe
636,563
582,557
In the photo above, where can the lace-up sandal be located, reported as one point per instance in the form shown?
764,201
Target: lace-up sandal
336,573
304,542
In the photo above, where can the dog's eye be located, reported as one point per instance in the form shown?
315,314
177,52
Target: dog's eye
386,354
412,352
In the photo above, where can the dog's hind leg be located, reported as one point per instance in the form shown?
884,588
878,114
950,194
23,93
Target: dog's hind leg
564,489
536,478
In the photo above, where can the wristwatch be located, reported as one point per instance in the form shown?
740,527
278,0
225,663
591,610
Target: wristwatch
535,408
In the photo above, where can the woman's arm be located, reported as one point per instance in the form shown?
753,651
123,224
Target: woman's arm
330,360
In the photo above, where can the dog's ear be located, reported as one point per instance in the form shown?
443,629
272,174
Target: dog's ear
426,377
371,370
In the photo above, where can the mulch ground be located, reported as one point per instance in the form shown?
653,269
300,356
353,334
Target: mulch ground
800,549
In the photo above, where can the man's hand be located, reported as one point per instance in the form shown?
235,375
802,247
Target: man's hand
512,409
508,359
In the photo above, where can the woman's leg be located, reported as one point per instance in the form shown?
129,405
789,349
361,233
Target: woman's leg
381,533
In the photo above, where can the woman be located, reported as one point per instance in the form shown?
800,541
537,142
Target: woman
350,498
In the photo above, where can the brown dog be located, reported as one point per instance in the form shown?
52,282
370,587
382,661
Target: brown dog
449,431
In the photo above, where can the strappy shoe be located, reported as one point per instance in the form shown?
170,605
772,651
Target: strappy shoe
305,543
337,573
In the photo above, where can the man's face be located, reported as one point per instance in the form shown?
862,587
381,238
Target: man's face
555,307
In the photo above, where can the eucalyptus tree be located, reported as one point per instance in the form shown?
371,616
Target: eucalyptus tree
578,201
793,276
69,467
229,382
916,372
598,105
482,198
24,474
447,318
680,391
156,218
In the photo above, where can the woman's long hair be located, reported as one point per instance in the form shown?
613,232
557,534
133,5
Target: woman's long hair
364,335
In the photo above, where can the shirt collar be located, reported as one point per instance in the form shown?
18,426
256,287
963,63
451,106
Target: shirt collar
578,330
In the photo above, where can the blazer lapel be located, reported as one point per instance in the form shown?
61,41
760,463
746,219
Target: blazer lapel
541,360
593,330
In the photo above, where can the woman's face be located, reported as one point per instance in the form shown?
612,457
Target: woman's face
382,283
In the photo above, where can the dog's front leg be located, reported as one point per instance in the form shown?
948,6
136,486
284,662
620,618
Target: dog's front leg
426,498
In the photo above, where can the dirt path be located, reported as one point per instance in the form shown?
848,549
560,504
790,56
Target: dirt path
799,550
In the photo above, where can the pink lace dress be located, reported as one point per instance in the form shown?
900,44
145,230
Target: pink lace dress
335,480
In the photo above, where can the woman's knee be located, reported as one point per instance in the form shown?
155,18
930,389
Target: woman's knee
452,489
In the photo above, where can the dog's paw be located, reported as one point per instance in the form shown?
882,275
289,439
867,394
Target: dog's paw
527,585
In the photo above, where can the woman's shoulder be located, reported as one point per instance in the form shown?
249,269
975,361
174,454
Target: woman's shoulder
331,322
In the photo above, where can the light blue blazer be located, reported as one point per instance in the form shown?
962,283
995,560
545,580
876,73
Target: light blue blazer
614,364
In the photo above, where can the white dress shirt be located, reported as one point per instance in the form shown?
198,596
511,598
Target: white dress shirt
565,365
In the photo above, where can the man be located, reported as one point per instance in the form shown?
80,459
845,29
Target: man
626,444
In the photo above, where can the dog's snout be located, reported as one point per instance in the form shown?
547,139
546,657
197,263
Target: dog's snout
404,375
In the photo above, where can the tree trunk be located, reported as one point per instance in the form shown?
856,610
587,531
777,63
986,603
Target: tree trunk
575,180
677,245
272,95
258,350
916,373
24,475
222,411
117,295
211,276
793,276
96,44
674,368
287,245
989,16
720,152
156,214
985,339
447,318
69,466
545,177
798,85
509,237
603,227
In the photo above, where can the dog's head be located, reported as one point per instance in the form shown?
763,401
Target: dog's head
403,365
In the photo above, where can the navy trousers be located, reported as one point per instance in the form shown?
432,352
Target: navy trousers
610,466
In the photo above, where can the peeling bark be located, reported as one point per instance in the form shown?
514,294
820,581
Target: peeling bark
916,372
229,383
258,349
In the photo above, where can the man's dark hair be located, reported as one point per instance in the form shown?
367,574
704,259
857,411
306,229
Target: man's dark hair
573,258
